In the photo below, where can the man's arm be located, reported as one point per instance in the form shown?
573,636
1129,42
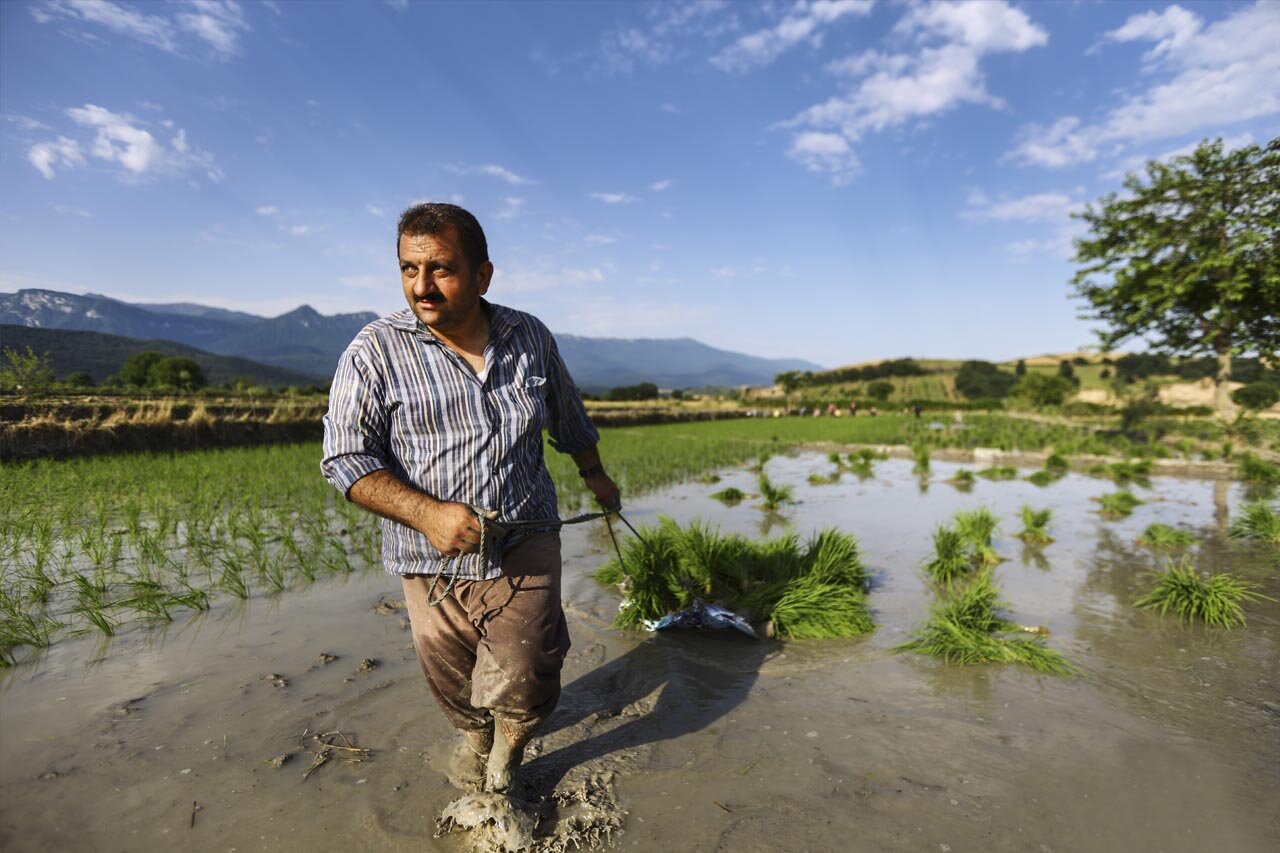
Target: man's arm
452,527
595,478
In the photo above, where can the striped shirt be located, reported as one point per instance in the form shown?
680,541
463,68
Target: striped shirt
401,400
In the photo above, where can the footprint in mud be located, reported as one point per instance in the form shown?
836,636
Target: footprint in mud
585,816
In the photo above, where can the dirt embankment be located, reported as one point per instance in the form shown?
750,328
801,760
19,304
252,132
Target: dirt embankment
40,428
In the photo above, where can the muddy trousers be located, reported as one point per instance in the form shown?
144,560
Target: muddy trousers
492,649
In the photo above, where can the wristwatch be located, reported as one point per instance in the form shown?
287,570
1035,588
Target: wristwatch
592,471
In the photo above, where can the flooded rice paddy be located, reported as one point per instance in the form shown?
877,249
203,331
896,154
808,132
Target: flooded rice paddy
177,735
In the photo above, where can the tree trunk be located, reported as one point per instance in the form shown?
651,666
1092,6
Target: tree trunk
1221,393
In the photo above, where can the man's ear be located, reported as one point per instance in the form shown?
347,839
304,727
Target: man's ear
483,276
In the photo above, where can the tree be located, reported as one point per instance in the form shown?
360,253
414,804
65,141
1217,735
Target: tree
642,391
1190,258
1020,369
1256,396
79,379
27,372
175,372
880,390
1041,389
1067,372
137,368
976,379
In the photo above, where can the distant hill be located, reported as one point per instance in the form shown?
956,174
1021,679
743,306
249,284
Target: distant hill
308,342
601,363
302,340
101,355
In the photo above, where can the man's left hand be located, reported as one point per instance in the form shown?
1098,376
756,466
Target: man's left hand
605,490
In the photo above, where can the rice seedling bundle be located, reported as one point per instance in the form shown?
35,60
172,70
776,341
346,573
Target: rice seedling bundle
963,477
1045,477
1167,538
951,560
729,495
967,628
1215,600
773,496
1118,504
1056,462
999,472
1034,522
818,591
976,529
1257,470
1257,521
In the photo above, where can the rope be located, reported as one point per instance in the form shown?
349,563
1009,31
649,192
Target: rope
507,526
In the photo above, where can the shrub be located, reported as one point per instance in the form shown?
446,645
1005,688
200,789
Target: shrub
1256,395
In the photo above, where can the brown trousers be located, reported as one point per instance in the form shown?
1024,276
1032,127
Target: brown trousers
492,649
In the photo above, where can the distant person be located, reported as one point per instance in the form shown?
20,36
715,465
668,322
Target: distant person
853,408
917,408
832,410
873,411
957,418
435,416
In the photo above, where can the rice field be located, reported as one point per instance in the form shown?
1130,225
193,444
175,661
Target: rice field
92,545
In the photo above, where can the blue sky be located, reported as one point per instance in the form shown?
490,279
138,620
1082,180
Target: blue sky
837,180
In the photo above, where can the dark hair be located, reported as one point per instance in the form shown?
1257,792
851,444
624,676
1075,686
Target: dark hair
437,217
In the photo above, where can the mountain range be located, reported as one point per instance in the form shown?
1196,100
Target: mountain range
308,343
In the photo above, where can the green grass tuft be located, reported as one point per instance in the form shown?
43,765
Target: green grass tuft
1167,538
814,592
1215,600
773,496
729,495
967,628
1118,504
1257,521
1256,470
1034,522
999,472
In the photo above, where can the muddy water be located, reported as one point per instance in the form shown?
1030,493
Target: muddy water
1170,742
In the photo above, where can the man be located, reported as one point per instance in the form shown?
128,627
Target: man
435,417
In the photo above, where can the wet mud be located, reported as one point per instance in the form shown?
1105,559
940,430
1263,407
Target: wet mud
198,735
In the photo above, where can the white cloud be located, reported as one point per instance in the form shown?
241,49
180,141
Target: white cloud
669,108
724,272
1215,76
520,278
216,23
68,210
613,198
267,210
122,139
511,206
659,186
398,5
1040,207
600,239
827,153
507,175
659,40
374,210
803,22
887,90
60,152
25,122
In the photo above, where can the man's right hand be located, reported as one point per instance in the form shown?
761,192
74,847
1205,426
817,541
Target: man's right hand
451,527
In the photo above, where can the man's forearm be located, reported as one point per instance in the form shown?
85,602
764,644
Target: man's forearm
587,459
385,494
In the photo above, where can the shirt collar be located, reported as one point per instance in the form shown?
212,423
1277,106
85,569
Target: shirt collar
501,320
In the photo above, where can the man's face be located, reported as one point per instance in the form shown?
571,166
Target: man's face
442,289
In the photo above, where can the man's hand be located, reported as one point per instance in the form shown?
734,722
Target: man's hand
605,490
451,527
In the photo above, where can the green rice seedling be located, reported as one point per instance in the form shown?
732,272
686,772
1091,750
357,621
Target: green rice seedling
19,628
189,597
729,495
921,454
1215,600
967,628
773,496
709,479
97,618
963,477
976,529
1127,470
1257,521
1034,522
1166,538
1256,470
951,559
149,598
761,461
999,472
824,479
1056,462
815,592
1118,504
1045,477
834,459
232,581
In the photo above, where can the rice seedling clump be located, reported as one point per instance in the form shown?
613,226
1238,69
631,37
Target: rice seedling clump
1118,504
1257,470
1167,538
1215,600
729,495
1034,522
773,496
1257,521
967,628
818,591
999,472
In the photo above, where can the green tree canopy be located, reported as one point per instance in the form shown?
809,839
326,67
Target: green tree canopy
1189,258
137,367
976,379
176,372
28,372
1042,389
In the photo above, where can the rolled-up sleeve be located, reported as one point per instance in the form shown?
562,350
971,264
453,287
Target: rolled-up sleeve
355,427
570,428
